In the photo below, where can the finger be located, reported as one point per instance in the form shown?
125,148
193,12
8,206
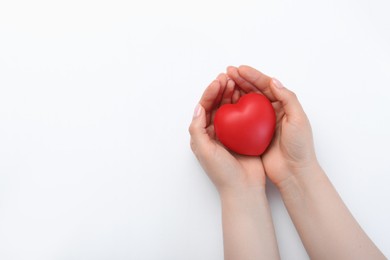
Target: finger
289,100
279,111
222,78
225,95
199,137
236,96
211,99
257,79
228,93
210,95
242,83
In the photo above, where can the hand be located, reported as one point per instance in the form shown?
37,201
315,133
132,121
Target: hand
291,151
248,232
227,170
290,162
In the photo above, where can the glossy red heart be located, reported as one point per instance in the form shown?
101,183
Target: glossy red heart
248,126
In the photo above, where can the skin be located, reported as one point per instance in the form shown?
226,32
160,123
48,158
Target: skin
248,231
325,225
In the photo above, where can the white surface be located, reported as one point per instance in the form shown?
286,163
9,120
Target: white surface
96,98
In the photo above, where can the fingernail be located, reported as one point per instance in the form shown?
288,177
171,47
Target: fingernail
277,83
197,110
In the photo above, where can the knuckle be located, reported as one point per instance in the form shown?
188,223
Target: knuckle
293,95
191,129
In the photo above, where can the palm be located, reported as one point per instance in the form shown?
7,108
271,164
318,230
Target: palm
250,168
291,132
236,168
276,150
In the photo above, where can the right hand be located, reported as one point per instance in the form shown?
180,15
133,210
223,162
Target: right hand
230,172
291,151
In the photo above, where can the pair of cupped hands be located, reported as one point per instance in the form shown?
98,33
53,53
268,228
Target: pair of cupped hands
290,154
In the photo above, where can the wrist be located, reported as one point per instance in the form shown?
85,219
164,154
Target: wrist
247,224
242,194
301,177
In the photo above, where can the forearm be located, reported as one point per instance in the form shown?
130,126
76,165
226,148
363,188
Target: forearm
325,225
248,231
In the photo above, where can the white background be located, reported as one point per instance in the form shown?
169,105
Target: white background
96,98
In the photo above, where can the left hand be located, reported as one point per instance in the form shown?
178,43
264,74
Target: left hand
291,152
227,170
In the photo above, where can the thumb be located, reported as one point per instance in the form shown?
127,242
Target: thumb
198,132
289,100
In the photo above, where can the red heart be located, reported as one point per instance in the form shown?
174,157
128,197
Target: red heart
248,126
